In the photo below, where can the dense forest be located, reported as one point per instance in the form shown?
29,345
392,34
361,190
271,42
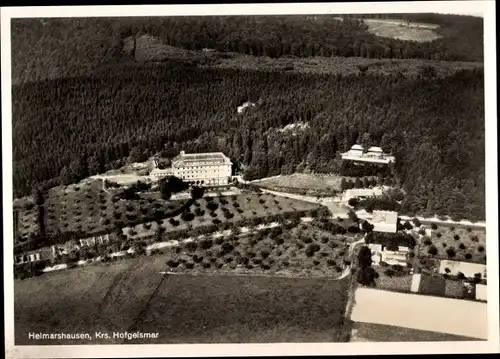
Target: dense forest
55,48
68,128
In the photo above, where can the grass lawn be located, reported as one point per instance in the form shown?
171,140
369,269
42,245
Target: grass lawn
302,181
301,251
467,245
395,30
238,206
398,283
130,295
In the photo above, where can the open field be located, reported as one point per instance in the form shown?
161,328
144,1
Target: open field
402,30
420,312
303,251
131,295
456,243
210,210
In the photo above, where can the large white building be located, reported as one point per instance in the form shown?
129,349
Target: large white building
207,169
373,155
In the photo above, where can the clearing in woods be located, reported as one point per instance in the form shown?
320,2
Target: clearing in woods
301,181
402,30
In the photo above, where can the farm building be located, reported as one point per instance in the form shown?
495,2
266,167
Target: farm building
42,254
373,155
381,254
385,221
481,292
361,193
208,169
468,269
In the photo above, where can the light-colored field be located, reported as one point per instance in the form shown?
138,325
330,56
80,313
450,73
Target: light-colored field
302,181
402,30
413,311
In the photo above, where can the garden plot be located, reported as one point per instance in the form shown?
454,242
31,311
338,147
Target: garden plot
460,244
301,250
88,208
216,210
26,214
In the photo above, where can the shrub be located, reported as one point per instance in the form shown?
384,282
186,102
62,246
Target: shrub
480,249
206,265
306,240
451,252
261,201
468,256
427,241
227,248
191,246
219,240
311,249
216,221
331,262
456,237
439,235
434,226
187,216
265,266
213,214
173,264
189,265
389,272
462,246
264,253
432,250
256,261
474,238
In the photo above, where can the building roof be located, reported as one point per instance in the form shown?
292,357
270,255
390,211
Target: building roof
357,147
375,149
385,221
200,159
376,191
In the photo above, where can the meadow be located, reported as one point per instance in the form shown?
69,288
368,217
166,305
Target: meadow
134,295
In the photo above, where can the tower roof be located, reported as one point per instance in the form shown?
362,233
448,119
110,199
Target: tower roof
357,147
375,149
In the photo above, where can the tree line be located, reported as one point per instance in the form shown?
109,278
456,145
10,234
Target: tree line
66,47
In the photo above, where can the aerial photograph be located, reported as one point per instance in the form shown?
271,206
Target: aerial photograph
249,179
